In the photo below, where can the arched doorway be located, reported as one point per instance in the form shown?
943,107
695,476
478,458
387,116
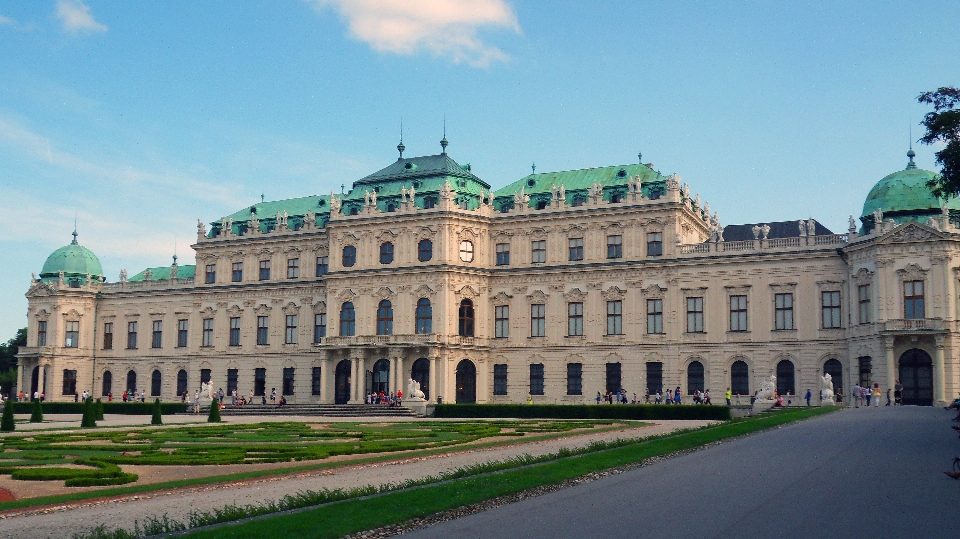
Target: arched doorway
785,384
694,377
381,376
916,375
739,378
107,388
132,381
342,382
835,369
421,373
466,382
155,383
35,381
182,382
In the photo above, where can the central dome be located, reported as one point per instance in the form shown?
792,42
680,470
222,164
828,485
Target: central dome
74,260
904,196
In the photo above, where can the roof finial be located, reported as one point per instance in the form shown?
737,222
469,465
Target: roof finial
533,168
910,153
174,251
400,147
74,242
262,197
443,141
640,157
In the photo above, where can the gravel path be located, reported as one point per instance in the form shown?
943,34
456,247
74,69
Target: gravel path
63,521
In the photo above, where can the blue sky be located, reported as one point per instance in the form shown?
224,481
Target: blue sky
139,117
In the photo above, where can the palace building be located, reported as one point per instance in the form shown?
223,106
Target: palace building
559,285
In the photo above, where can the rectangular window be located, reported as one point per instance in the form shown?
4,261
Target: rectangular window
576,249
204,376
182,327
207,332
738,313
503,254
293,268
42,333
290,336
288,373
654,377
783,311
108,336
319,327
865,369
694,315
500,379
232,377
69,382
538,320
71,336
259,382
131,335
157,338
264,270
574,378
323,265
863,294
615,246
502,321
654,316
235,331
575,319
536,378
315,381
830,307
615,318
236,272
538,252
655,244
913,306
210,273
263,330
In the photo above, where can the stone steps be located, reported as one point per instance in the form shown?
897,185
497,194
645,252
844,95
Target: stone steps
323,410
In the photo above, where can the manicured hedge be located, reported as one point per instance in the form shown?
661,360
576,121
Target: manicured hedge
122,408
583,411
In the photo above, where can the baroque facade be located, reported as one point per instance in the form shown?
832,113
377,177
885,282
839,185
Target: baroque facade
557,286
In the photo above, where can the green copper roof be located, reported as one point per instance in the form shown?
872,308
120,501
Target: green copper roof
74,260
405,170
163,273
576,182
904,195
266,213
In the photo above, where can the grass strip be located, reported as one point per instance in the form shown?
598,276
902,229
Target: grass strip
60,499
337,519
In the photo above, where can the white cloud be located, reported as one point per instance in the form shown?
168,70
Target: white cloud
76,17
7,21
446,28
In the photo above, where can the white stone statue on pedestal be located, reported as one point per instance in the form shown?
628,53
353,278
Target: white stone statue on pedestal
766,392
414,392
826,392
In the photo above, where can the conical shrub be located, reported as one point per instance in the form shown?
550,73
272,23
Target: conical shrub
99,405
214,416
36,415
89,414
7,424
157,419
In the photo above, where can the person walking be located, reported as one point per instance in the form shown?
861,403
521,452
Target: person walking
888,397
855,395
196,403
676,395
727,395
898,394
808,396
876,395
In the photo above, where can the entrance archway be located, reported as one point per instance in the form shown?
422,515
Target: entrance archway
916,375
34,381
421,373
342,382
466,382
835,369
381,376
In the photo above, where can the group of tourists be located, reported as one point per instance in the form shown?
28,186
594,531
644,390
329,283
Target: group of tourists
611,397
866,395
236,399
385,399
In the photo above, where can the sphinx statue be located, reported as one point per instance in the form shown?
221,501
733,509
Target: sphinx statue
766,392
413,390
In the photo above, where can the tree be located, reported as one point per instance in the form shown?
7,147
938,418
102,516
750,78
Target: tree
214,416
157,419
943,125
7,424
8,361
89,414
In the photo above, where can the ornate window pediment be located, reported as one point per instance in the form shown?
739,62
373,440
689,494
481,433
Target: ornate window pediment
234,310
467,291
207,311
575,230
913,272
538,296
263,309
502,235
502,298
737,289
72,315
384,292
386,234
346,295
654,291
321,250
613,228
42,315
862,277
783,288
237,256
538,233
425,233
291,308
292,249
830,285
347,237
614,293
575,295
424,291
911,232
320,307
264,251
467,234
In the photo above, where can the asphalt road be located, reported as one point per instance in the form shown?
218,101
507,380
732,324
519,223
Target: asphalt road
872,474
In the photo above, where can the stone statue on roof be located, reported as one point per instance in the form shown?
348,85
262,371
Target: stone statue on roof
852,223
686,191
803,227
878,219
123,276
334,203
492,197
706,211
254,223
447,190
553,192
201,229
563,193
696,203
310,219
521,199
811,227
412,193
764,230
756,232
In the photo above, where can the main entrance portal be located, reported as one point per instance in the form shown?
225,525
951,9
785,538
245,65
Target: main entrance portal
466,382
342,383
421,373
916,375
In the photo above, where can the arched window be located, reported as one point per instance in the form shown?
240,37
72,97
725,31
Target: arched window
785,378
385,318
386,253
181,382
694,377
107,383
381,376
348,320
349,256
424,316
424,250
466,318
155,379
835,369
739,378
132,381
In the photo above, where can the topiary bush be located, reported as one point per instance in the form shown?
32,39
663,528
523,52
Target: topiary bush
89,414
157,419
7,424
214,416
36,414
99,410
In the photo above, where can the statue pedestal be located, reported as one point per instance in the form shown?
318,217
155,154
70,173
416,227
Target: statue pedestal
827,402
418,407
762,405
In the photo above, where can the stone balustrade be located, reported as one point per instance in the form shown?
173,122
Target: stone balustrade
775,244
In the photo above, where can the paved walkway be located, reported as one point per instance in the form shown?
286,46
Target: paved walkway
66,520
874,473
